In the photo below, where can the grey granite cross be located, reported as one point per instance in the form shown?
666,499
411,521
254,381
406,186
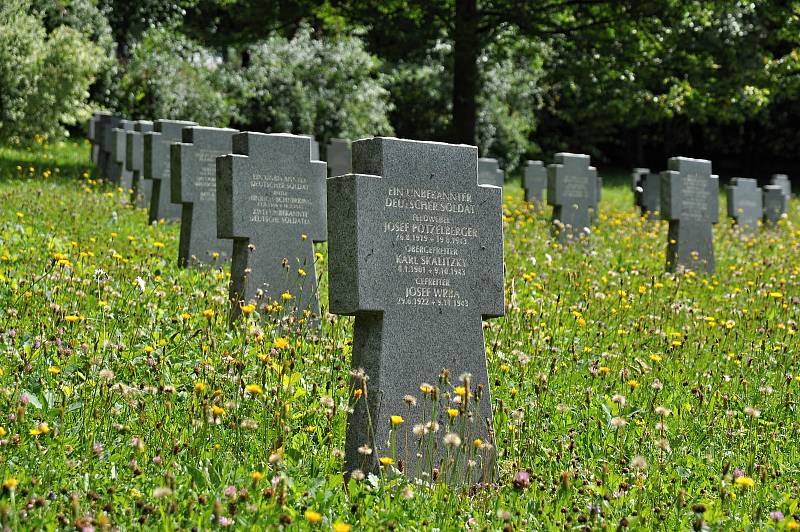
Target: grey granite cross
745,203
103,130
134,161
271,201
489,172
156,163
690,201
782,180
119,137
416,255
94,134
774,203
339,156
573,189
194,186
535,182
649,195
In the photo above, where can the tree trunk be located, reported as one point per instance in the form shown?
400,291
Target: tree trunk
466,47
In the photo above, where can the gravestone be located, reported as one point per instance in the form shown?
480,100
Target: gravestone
650,196
637,177
416,255
774,203
745,203
489,172
339,157
314,147
119,140
103,129
271,201
94,136
156,165
194,186
573,189
535,182
782,180
134,161
690,201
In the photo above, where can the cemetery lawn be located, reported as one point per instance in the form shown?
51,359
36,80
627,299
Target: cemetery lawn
623,396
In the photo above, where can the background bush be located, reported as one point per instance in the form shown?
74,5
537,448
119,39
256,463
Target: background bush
44,76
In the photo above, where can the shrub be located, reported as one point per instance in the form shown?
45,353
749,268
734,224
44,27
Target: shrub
171,77
325,87
44,78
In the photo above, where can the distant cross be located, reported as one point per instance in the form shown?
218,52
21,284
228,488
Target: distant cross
141,188
271,202
745,203
782,180
416,255
194,186
637,177
535,182
650,196
119,136
103,130
339,156
690,201
774,204
573,189
94,134
489,172
157,168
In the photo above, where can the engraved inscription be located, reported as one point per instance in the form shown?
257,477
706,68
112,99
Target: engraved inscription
575,187
280,200
434,230
695,198
205,181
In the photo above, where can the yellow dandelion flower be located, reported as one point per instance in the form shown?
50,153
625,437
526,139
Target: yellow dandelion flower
452,412
217,410
301,272
633,383
72,318
208,313
10,483
477,442
426,388
3,432
286,296
199,386
386,460
54,370
280,343
357,393
341,527
745,482
581,322
605,370
248,309
397,420
312,516
254,389
656,358
158,245
186,316
505,368
256,476
149,349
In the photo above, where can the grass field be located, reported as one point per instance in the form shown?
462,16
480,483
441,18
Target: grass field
623,396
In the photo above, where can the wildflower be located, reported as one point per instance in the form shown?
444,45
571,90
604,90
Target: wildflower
639,463
208,313
338,526
254,389
744,481
386,460
605,370
618,422
397,420
280,343
425,388
477,442
248,309
633,383
776,516
505,368
452,412
775,295
256,476
357,393
286,296
357,475
199,386
106,374
41,428
54,370
301,272
619,399
365,449
72,318
312,516
451,439
410,400
663,412
656,358
148,349
522,480
217,410
10,483
752,412
161,492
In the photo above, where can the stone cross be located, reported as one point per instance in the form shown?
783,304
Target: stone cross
637,176
690,201
156,163
782,180
649,196
271,201
339,156
416,255
94,136
745,203
103,132
573,189
489,172
134,161
774,203
535,182
119,137
194,186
